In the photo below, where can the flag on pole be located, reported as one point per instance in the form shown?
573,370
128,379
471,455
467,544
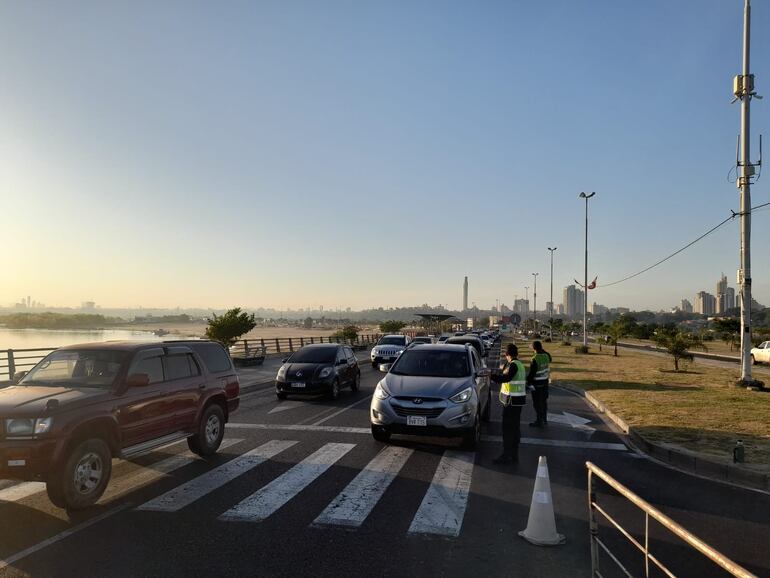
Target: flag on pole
592,284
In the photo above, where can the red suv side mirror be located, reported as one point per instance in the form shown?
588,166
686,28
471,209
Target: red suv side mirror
137,380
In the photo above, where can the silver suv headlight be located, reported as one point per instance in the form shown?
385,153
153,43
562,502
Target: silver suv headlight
462,396
23,427
380,392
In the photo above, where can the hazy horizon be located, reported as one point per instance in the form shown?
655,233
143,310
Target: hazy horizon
295,154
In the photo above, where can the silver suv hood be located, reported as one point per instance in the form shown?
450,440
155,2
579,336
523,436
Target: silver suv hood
381,348
410,385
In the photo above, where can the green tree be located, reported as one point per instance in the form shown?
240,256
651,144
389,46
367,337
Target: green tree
618,329
729,329
227,328
678,344
392,326
347,333
484,322
308,323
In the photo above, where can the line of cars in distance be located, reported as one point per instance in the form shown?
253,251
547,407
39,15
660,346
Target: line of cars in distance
432,387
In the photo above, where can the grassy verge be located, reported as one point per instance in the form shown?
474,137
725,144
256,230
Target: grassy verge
696,409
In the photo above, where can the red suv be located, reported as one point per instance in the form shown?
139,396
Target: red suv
82,405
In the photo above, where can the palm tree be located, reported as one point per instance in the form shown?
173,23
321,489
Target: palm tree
616,332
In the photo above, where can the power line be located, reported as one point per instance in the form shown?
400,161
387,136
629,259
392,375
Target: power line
687,246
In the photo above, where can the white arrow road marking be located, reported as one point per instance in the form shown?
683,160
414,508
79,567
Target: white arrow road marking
572,420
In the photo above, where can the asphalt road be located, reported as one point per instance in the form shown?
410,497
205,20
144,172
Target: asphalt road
301,488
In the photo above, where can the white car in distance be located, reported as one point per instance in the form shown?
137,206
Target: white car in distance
761,353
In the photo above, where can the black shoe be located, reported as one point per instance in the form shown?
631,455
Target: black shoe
536,424
503,459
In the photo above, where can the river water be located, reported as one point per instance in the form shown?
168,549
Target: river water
35,338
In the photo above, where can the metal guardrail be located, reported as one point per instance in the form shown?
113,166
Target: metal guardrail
277,345
649,512
15,360
11,361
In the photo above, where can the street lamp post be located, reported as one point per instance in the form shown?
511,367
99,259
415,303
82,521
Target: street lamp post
534,305
550,313
585,278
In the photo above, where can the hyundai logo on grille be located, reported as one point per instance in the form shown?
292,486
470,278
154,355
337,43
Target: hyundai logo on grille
299,373
417,400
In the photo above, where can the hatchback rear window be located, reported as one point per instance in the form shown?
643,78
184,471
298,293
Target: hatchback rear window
431,363
314,355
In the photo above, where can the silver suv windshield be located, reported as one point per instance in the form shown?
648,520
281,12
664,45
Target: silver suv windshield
392,341
432,363
76,368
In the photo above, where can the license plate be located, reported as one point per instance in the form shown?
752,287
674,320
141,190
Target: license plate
297,384
416,420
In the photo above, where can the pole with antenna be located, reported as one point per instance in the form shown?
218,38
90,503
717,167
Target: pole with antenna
743,89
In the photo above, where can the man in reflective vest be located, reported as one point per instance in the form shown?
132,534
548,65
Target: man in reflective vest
537,379
513,396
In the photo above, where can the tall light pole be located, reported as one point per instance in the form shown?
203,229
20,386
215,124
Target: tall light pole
743,88
585,278
534,306
550,313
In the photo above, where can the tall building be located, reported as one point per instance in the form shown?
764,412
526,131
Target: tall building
521,306
705,303
730,299
725,295
685,306
465,294
573,301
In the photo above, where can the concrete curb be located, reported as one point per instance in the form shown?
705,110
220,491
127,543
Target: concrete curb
682,459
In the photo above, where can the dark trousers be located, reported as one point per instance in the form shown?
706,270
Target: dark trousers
540,401
511,430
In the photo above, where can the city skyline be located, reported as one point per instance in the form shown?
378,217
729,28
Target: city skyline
153,188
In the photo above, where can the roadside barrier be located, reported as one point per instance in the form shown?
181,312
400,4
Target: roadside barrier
13,361
649,512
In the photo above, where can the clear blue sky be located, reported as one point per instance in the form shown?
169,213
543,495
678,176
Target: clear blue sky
293,154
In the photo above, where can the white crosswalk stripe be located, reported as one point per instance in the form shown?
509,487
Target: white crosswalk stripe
352,506
443,507
267,500
21,491
196,488
125,484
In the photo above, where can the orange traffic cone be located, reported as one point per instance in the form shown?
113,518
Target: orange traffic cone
541,526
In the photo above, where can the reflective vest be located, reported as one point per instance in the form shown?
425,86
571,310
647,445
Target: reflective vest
543,373
517,387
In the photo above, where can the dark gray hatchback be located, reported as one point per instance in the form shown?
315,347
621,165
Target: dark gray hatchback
318,369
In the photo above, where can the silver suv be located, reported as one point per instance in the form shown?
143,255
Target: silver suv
433,390
388,348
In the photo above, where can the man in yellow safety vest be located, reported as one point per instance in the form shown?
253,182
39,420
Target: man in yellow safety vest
538,378
513,396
